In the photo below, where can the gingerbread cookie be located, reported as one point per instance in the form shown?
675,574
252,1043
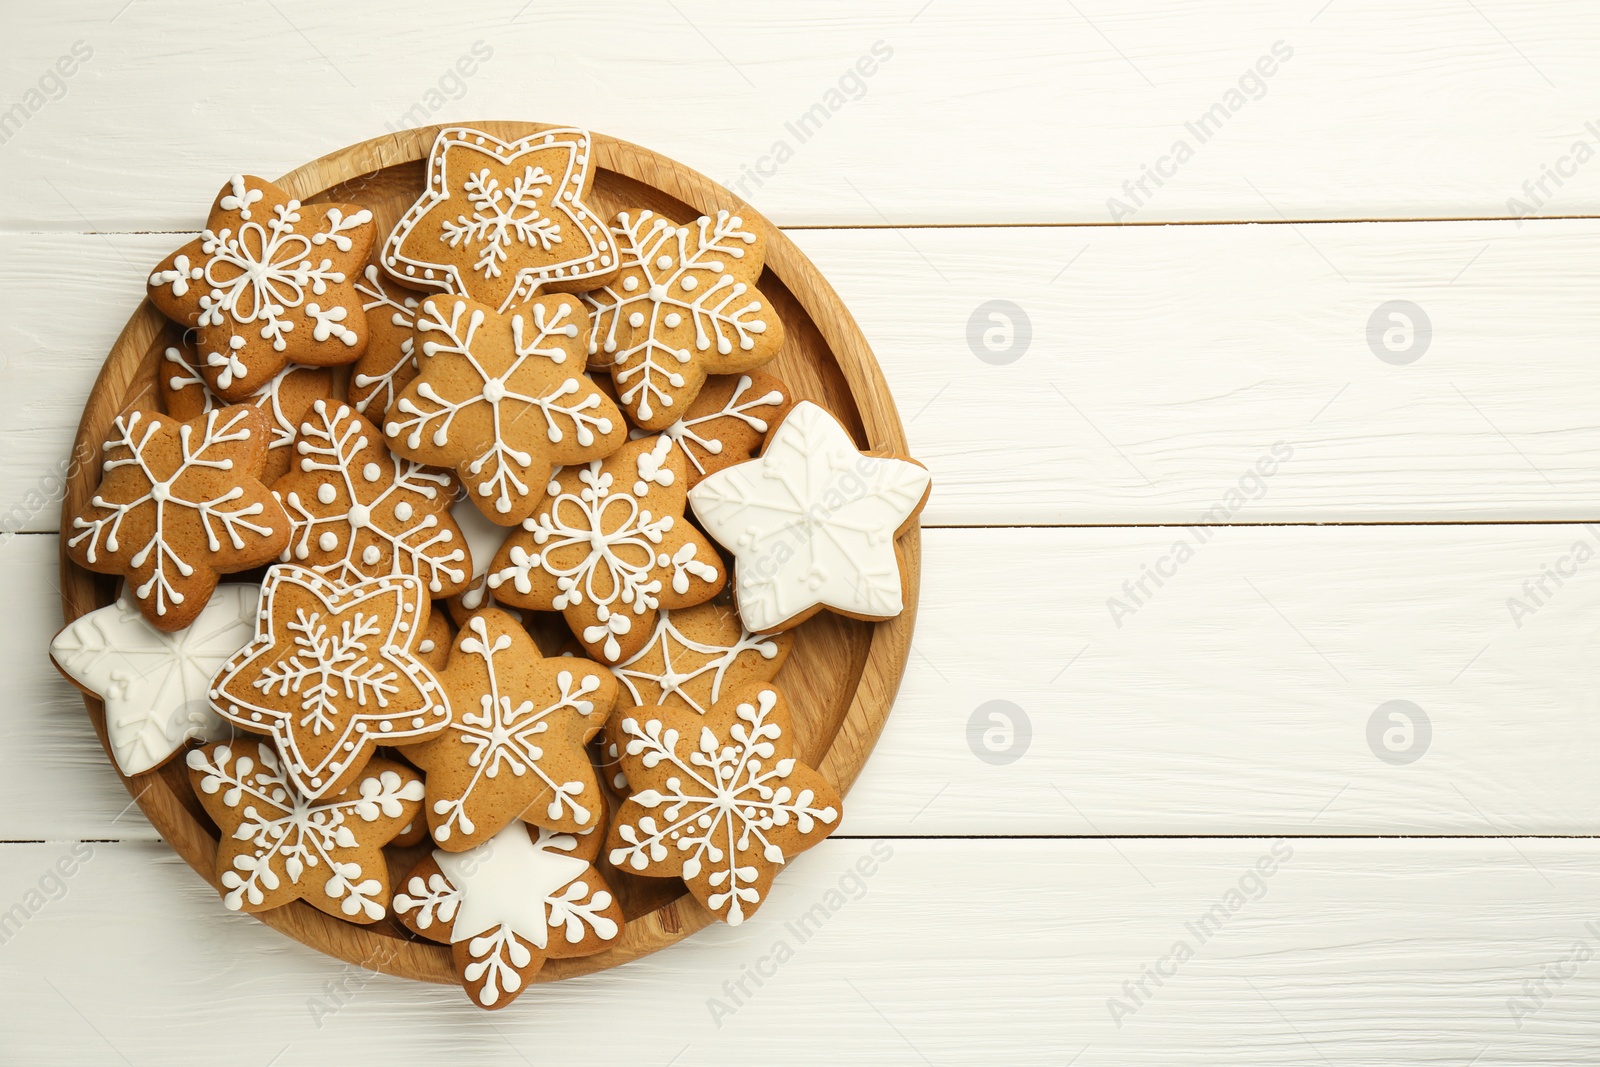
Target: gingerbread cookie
719,799
484,538
515,746
685,305
503,399
511,903
180,504
433,647
390,361
695,654
277,845
268,282
499,222
608,548
728,421
154,683
332,674
361,512
812,523
285,398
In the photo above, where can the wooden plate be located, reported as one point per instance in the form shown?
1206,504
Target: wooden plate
842,675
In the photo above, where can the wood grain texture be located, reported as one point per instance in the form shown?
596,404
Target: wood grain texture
1433,109
1207,712
846,671
1164,362
1380,953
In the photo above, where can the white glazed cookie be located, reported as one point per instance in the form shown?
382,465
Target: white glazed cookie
684,306
154,684
501,222
812,523
361,512
509,904
269,281
332,674
503,399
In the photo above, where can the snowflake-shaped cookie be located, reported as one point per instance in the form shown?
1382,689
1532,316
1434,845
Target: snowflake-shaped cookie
267,282
179,504
279,845
361,512
608,548
499,222
727,422
285,399
685,305
503,399
153,683
333,673
511,903
719,800
390,362
515,746
812,523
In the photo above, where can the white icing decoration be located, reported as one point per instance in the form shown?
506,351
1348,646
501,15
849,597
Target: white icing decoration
403,315
331,439
484,537
502,471
153,683
724,311
343,663
506,895
723,803
812,521
269,398
503,735
669,681
624,551
687,437
279,821
127,447
501,214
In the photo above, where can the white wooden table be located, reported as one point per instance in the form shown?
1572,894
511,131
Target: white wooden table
1373,509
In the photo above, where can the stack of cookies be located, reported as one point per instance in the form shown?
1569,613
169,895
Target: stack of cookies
497,468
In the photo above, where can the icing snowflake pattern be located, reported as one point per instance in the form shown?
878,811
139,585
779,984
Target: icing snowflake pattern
508,904
720,804
707,663
611,559
153,683
360,512
517,719
503,399
266,282
279,845
702,445
207,494
811,523
389,363
332,673
684,306
499,221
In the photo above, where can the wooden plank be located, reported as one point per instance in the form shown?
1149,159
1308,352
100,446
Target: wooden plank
1165,363
1065,103
1384,952
1233,699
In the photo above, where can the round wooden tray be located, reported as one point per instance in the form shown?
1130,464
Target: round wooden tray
842,675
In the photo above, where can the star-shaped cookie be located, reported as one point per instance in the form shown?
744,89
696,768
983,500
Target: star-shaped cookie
332,674
728,421
179,504
608,548
812,523
285,398
269,281
154,684
719,799
278,845
503,399
390,361
684,305
501,221
515,746
361,512
511,903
